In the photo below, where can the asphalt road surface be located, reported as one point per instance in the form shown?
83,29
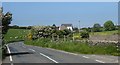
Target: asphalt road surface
18,52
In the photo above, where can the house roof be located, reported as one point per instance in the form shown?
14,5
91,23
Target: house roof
66,25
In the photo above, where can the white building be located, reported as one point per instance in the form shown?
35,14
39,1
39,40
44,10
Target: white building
66,26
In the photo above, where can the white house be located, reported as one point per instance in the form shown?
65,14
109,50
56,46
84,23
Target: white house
66,26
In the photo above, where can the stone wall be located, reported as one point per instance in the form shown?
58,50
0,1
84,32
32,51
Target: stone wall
104,37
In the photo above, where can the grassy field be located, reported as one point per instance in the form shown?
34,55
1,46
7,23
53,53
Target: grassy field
15,34
75,47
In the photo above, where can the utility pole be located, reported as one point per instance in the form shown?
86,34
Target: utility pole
79,26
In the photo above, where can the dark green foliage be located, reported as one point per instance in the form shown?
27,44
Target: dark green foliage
50,31
109,26
96,27
67,32
76,29
6,20
84,34
87,29
18,27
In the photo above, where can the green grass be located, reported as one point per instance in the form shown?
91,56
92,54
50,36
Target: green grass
77,35
75,47
18,33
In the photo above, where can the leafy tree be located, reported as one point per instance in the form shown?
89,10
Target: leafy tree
84,34
76,29
67,32
96,27
84,29
54,25
29,27
15,26
109,25
89,29
6,20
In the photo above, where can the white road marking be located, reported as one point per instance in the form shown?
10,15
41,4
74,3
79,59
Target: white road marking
85,57
32,50
103,57
99,61
63,51
48,57
10,55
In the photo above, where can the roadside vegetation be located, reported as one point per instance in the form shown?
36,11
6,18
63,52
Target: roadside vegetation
50,37
75,46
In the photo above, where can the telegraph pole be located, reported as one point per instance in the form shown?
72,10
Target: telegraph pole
79,26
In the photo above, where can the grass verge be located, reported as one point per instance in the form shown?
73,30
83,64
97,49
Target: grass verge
75,47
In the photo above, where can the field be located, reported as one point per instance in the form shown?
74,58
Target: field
15,34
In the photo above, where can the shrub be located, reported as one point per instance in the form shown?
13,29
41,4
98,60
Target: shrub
96,27
109,26
84,34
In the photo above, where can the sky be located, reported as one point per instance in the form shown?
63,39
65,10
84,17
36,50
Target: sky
48,13
60,0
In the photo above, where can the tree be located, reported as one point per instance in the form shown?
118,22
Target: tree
109,25
89,29
54,25
76,29
67,32
15,26
84,34
29,27
96,27
6,20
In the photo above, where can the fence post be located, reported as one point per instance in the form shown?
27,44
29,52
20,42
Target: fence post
57,37
64,38
73,37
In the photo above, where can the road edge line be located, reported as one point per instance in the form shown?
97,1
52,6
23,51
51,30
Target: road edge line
11,60
48,57
99,61
85,57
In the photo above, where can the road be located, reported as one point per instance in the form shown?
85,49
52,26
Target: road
21,53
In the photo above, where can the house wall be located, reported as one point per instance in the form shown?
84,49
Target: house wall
70,28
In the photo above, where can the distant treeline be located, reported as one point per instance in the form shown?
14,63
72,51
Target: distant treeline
19,27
